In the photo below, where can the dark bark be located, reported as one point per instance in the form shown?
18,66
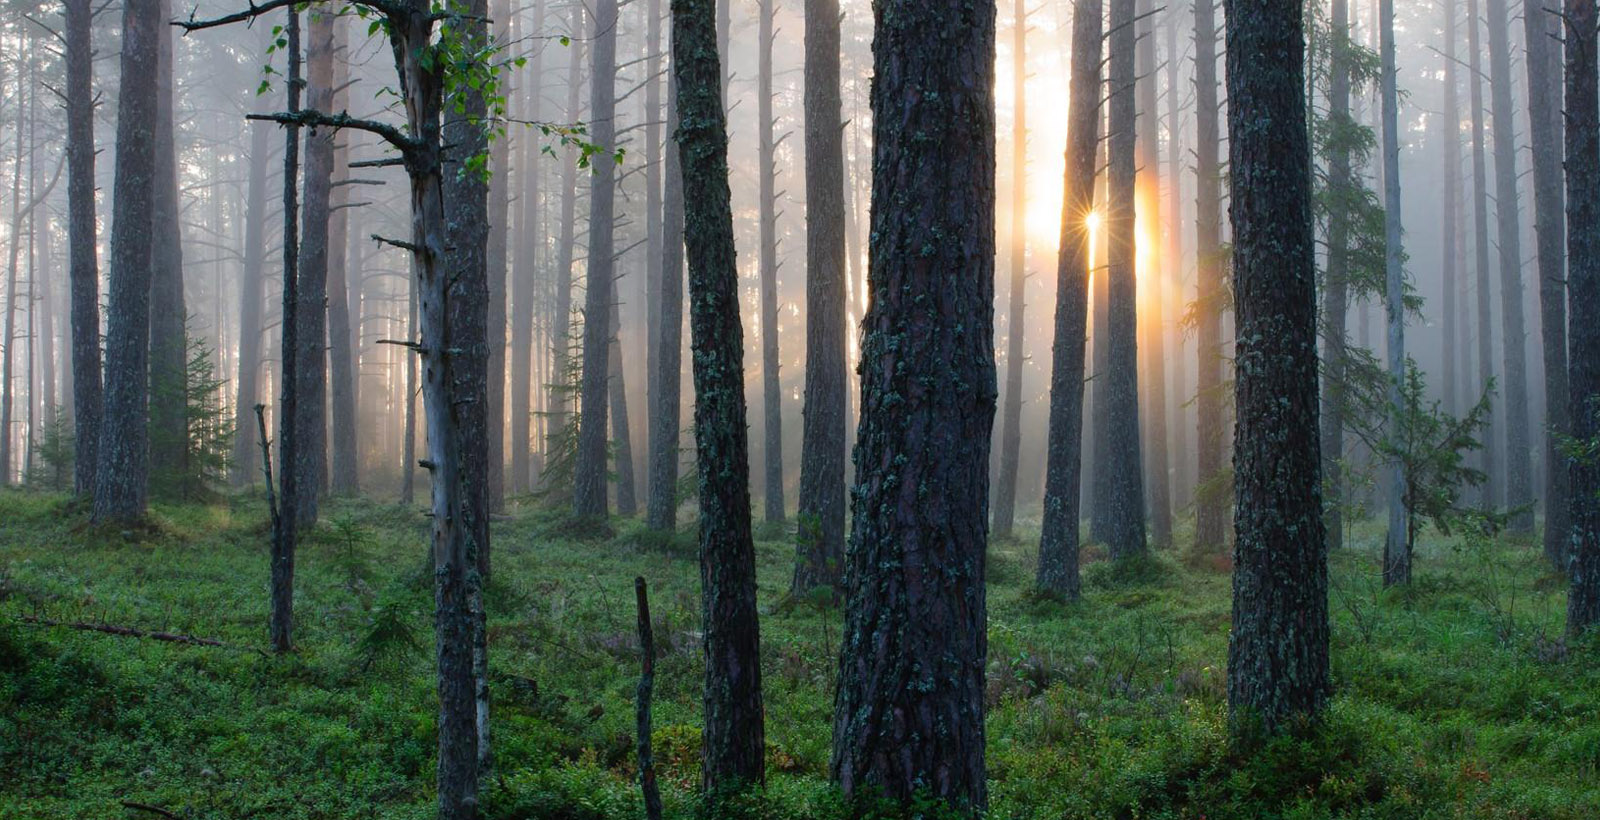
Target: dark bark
652,220
1211,502
561,309
343,475
311,341
525,273
85,274
1542,27
1336,281
408,452
169,355
1124,519
1157,269
909,712
819,559
280,619
664,416
1450,246
1480,227
589,479
1058,542
1397,546
496,261
1005,491
621,438
1583,286
1180,463
734,731
771,391
251,304
1519,467
1278,649
649,788
123,464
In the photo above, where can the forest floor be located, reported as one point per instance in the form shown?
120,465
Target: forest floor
1455,698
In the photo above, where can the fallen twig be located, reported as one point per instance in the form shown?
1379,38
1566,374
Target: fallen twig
130,632
129,804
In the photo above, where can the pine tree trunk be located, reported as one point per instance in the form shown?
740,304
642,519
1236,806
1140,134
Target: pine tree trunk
123,465
1212,498
621,433
311,341
525,273
566,243
771,390
1157,271
733,737
8,352
1450,245
652,220
1519,469
1125,525
169,424
589,479
1544,114
1583,285
1397,546
910,707
280,619
819,559
664,416
1058,542
251,305
1336,282
496,255
1278,649
343,366
1480,227
85,274
1005,491
1182,491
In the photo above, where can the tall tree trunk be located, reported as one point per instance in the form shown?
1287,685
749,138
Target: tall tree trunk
1480,227
1180,463
652,220
85,275
251,305
819,560
1157,270
1278,651
1125,530
525,273
496,261
1542,27
408,456
589,481
19,210
1450,244
771,391
123,468
1336,282
1519,468
1397,547
621,438
343,369
169,423
664,455
1005,491
734,732
311,340
561,307
1058,541
1583,284
1212,499
280,619
910,707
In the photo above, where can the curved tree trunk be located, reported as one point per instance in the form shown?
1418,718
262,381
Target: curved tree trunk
1278,652
910,707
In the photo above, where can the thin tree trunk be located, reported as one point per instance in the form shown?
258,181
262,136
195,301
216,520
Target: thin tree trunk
664,416
561,333
344,475
123,465
1157,270
1181,463
1005,491
589,479
771,390
1480,226
1519,469
819,559
909,714
1212,499
1336,282
251,304
19,210
1058,541
621,440
1583,285
86,391
1450,246
652,220
496,261
1542,27
408,459
280,620
1278,652
525,272
169,423
1397,547
733,739
1125,524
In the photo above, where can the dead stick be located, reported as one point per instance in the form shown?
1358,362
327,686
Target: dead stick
128,631
129,804
647,680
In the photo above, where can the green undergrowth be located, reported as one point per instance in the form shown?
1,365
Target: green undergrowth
1456,698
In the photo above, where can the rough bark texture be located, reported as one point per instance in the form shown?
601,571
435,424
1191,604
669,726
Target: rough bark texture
343,366
1583,287
1058,541
734,731
251,305
771,390
1124,519
525,272
311,312
820,556
1397,546
909,711
85,274
1180,463
664,416
1156,270
123,454
280,620
1519,466
1544,115
621,432
169,355
1278,649
652,209
561,332
1211,502
1336,282
499,211
1480,228
589,480
1005,491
